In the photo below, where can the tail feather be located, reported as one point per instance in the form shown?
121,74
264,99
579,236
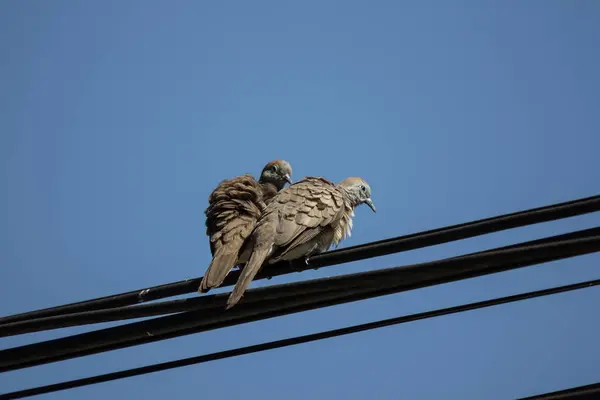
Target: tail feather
224,260
248,273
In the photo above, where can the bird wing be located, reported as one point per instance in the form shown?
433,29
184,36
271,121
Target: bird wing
234,209
291,222
305,210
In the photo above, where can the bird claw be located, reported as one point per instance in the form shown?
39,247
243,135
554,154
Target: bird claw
307,262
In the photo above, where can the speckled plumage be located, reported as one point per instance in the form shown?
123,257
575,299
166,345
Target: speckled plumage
235,206
304,219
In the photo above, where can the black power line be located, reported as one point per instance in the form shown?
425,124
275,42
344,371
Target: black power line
200,303
354,253
581,392
342,289
291,341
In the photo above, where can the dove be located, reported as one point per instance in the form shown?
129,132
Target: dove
235,206
302,220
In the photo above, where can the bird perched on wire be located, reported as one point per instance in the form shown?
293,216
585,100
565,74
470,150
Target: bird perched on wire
303,219
235,206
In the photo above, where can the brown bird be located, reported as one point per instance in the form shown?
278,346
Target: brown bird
304,219
234,209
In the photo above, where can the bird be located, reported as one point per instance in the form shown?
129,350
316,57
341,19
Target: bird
235,206
302,220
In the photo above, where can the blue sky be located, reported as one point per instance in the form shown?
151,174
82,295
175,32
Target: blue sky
118,118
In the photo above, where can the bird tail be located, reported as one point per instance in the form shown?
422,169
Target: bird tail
259,254
223,261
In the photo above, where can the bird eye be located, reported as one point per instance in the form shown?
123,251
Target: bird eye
274,168
363,188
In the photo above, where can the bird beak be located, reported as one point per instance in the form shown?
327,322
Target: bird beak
288,178
369,202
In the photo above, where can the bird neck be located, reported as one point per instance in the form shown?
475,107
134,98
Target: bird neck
351,198
344,228
269,190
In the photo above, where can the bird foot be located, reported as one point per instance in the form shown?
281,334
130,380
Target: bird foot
307,262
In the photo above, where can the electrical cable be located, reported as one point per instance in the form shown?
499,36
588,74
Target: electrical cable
581,392
197,303
354,253
292,341
363,285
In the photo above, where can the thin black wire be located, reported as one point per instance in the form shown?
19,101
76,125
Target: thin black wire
363,285
200,303
581,392
354,253
292,341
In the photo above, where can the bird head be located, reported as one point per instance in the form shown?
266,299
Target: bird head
277,172
358,191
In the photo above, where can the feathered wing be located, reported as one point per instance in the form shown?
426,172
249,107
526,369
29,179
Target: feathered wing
301,219
308,217
234,209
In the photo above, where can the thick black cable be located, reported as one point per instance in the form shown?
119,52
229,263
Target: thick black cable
363,285
291,341
192,322
197,303
354,253
581,392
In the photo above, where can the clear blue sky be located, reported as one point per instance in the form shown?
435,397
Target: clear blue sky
118,118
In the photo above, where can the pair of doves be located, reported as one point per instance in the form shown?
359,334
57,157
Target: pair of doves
250,222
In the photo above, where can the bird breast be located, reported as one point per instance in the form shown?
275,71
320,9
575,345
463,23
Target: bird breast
344,228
